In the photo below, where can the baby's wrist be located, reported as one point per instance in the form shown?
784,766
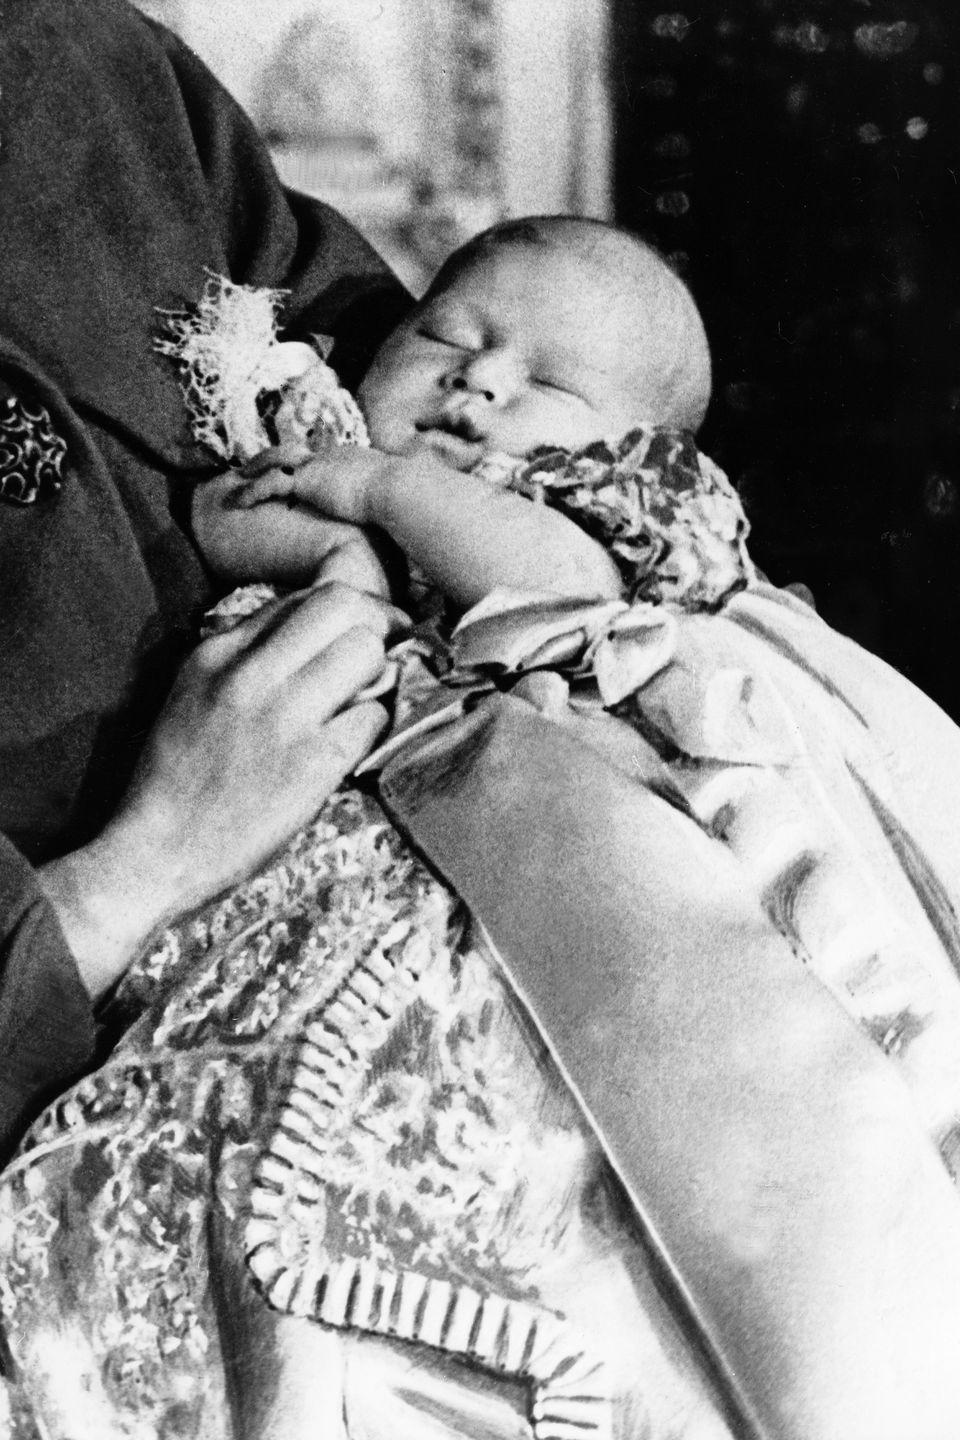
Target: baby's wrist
381,487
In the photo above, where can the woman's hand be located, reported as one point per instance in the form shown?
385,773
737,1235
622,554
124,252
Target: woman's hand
258,730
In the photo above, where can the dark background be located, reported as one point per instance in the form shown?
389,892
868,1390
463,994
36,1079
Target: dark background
801,161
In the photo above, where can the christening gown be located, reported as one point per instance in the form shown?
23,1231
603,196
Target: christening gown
370,1091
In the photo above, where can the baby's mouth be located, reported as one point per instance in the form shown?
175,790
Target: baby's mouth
456,437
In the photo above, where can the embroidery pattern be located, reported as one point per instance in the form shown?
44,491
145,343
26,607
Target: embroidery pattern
32,454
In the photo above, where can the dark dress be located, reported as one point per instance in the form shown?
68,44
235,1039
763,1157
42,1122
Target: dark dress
126,173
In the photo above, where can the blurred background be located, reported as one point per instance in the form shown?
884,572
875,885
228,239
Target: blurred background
799,159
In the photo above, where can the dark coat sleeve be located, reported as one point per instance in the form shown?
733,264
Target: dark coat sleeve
273,236
47,1033
127,174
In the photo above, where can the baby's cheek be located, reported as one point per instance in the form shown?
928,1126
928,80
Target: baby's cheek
387,421
385,396
550,421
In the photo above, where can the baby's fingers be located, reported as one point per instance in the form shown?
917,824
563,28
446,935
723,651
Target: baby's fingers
270,459
272,485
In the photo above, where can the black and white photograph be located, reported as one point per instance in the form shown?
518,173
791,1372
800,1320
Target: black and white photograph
479,704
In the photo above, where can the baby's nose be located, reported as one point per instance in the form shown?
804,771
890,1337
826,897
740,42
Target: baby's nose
485,377
460,382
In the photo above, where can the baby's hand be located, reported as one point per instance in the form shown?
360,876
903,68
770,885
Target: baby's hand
466,536
280,540
340,482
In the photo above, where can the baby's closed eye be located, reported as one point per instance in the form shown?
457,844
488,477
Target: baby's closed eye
556,385
451,338
546,383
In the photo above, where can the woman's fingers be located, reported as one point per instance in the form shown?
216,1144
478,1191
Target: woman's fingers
347,739
328,682
252,740
220,648
267,648
313,628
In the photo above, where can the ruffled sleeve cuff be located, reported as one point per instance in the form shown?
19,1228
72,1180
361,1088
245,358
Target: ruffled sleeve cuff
669,517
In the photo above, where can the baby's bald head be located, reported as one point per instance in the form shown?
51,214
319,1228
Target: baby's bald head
652,322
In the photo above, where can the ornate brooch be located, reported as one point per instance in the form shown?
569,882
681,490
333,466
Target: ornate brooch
32,454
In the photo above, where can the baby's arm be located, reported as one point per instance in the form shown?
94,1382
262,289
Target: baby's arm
467,537
287,545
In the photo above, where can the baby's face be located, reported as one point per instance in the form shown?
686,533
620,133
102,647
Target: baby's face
525,347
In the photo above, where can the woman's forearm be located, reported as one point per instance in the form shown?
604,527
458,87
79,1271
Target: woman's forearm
107,906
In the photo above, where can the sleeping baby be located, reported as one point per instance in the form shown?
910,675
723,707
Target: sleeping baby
463,1221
